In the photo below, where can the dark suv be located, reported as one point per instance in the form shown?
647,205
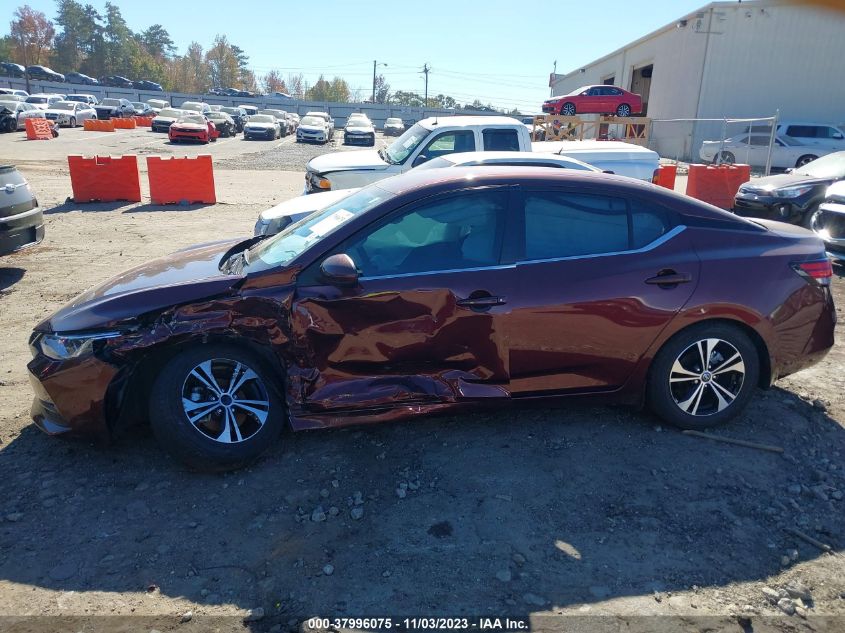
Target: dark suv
79,78
8,69
116,81
146,84
42,72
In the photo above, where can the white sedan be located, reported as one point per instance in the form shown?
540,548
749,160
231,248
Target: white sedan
70,113
292,211
22,111
752,149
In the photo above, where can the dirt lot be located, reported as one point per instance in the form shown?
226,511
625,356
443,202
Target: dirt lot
583,510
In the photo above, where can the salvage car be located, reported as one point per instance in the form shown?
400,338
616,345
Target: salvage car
359,130
238,115
146,84
143,109
829,221
223,122
192,127
595,100
753,149
165,118
15,114
21,219
114,109
313,129
410,297
70,113
393,126
262,126
792,197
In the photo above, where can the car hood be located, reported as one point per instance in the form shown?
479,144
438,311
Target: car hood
779,181
182,277
367,159
306,204
259,124
55,111
360,128
313,128
165,118
190,126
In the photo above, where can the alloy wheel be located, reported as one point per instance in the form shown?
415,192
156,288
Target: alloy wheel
225,400
624,111
706,377
568,109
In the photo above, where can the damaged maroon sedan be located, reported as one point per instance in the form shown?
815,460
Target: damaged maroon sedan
435,291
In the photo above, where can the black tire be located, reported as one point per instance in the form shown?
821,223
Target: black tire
662,397
567,109
187,442
806,158
727,158
807,219
72,121
624,110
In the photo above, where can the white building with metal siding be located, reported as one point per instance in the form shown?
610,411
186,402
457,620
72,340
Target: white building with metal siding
729,60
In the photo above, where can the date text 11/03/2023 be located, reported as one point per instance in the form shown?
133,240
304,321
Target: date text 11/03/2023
424,623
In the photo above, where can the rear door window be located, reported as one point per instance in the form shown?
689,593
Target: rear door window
802,131
501,140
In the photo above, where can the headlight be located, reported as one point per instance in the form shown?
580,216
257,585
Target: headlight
62,347
792,192
319,182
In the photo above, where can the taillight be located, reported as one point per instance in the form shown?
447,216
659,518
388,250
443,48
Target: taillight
819,271
655,177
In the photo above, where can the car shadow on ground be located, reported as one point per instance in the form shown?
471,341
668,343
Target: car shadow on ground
9,276
156,208
515,511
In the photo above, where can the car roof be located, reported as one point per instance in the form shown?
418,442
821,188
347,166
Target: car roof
527,157
435,121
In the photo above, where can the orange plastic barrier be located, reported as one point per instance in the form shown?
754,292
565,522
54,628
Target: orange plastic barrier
96,125
143,121
38,129
181,180
124,124
104,178
717,184
666,176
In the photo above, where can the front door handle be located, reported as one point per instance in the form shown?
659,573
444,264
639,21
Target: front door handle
669,278
481,303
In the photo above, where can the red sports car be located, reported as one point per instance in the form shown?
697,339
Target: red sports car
438,291
595,100
194,127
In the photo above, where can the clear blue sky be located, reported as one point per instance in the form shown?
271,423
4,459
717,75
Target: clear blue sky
500,51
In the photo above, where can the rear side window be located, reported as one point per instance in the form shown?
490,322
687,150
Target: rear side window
802,131
501,140
561,225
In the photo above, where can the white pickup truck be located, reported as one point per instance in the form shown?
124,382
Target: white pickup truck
437,136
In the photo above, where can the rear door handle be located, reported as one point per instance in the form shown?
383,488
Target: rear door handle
481,302
669,278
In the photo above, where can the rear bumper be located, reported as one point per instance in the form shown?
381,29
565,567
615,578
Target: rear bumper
367,139
20,231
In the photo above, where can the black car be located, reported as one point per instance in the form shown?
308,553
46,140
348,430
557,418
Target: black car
224,123
21,220
238,115
79,78
793,196
114,109
146,84
116,81
44,73
9,69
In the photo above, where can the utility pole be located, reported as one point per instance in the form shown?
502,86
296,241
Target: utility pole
426,70
374,78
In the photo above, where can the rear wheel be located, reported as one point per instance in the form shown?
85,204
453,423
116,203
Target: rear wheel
727,158
213,408
703,376
72,121
568,109
806,158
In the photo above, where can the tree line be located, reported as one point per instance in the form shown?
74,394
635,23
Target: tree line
98,43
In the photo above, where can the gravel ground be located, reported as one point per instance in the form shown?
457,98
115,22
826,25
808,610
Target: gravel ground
579,510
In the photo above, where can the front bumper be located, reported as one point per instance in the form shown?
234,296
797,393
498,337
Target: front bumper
311,137
21,230
359,139
550,108
70,395
186,135
772,208
265,134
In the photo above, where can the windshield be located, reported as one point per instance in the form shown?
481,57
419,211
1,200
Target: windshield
79,98
402,147
312,120
138,105
170,112
578,91
830,166
36,99
63,105
192,119
276,113
262,118
110,102
393,121
295,239
217,116
230,110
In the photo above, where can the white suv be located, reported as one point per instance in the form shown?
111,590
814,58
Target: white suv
820,134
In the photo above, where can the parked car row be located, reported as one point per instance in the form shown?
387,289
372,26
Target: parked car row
9,69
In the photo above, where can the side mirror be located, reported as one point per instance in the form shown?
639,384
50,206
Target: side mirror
419,160
339,270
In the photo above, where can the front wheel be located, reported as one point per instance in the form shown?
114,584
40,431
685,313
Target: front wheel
568,109
624,110
213,408
806,158
72,122
727,158
703,376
